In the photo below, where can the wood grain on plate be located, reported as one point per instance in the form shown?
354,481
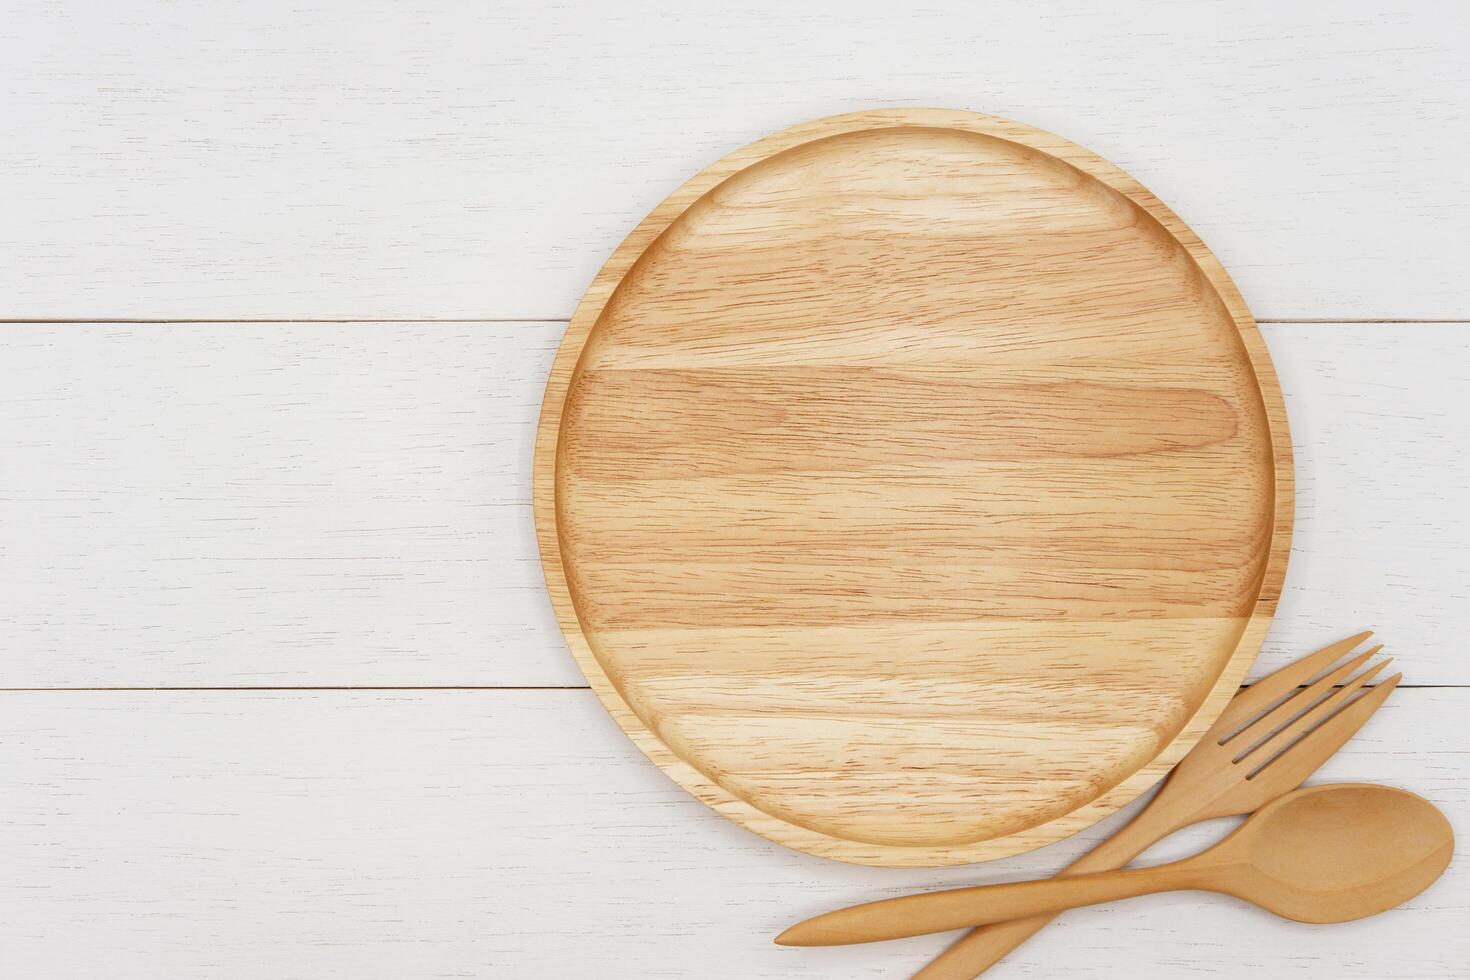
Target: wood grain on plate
913,487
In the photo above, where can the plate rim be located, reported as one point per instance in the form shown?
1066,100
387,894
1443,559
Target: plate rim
724,802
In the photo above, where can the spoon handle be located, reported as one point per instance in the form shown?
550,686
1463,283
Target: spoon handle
977,951
918,915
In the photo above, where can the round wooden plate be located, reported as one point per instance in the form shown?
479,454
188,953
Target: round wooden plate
913,487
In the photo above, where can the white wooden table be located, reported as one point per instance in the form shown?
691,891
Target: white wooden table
281,282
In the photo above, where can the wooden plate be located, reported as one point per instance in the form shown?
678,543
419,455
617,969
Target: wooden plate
913,487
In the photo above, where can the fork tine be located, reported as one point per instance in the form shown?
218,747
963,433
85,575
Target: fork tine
1287,770
1256,698
1298,702
1324,713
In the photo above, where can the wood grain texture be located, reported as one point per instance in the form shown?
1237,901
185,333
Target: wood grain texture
393,158
913,487
518,834
312,504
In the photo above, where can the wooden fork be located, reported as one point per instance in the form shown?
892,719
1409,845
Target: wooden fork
1270,738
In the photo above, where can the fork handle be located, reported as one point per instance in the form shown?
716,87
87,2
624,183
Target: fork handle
980,949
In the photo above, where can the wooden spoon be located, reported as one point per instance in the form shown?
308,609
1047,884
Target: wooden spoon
1320,854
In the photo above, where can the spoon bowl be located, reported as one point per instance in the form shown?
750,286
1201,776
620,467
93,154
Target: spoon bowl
1337,853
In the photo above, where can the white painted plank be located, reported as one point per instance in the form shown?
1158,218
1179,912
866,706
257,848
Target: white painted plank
270,505
329,505
379,158
518,834
1380,416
